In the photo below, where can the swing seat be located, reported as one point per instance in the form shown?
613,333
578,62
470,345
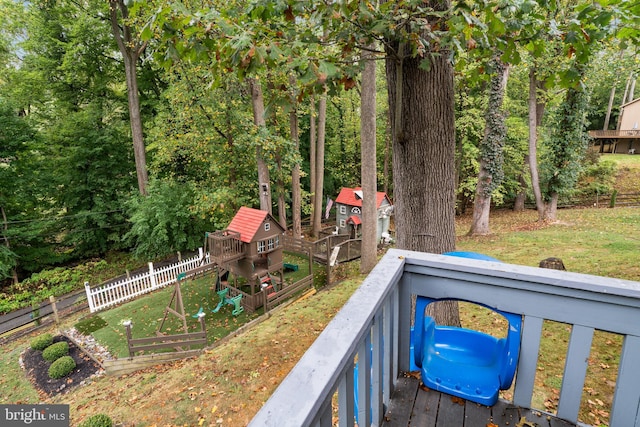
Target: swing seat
462,362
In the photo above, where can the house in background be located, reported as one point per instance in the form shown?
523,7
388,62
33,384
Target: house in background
626,138
349,212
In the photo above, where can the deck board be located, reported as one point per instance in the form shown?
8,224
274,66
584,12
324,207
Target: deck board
415,406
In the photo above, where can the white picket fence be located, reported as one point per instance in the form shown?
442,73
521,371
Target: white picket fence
103,296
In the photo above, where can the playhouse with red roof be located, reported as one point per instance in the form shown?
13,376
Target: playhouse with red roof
249,248
349,212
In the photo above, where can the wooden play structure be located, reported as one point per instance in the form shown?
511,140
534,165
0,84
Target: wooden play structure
249,255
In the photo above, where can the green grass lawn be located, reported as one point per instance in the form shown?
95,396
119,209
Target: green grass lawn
232,381
147,313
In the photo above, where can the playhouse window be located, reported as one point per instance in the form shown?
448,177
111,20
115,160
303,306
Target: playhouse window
261,246
343,209
267,226
270,244
343,223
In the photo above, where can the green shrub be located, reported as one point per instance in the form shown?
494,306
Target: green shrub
62,367
90,324
98,420
55,351
41,342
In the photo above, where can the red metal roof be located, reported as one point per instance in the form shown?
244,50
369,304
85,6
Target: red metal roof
247,222
349,197
354,219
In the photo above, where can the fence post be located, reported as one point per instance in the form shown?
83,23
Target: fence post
87,289
52,300
127,324
152,276
201,254
203,327
265,300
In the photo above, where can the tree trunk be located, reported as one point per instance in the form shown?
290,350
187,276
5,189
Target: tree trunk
422,119
14,273
551,208
387,162
322,122
533,143
368,168
257,101
131,50
282,206
296,193
491,174
612,96
312,155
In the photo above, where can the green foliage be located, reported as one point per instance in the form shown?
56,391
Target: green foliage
55,351
95,188
62,367
54,282
164,221
491,148
8,261
469,133
597,178
41,342
97,420
567,143
90,324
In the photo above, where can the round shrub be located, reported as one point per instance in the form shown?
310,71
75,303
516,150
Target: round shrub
55,351
41,342
98,420
62,367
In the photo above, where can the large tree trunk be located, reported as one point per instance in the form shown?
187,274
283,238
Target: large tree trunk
368,168
491,158
296,193
322,122
131,51
257,101
422,119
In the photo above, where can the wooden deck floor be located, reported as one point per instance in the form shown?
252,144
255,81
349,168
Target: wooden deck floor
414,406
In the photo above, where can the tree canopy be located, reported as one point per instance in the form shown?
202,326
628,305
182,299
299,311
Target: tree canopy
67,128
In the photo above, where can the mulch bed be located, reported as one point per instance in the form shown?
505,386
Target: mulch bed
37,369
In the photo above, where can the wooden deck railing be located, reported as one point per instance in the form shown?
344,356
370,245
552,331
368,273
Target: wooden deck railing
374,328
626,133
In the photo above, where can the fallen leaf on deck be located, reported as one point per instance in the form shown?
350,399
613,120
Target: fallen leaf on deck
457,400
524,423
413,374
